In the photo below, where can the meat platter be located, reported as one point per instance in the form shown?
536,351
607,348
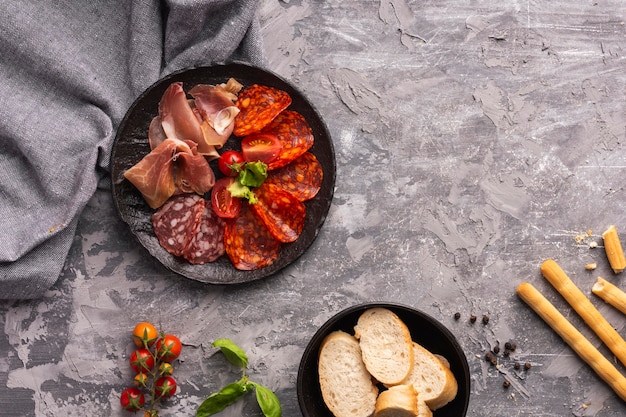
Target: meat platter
131,146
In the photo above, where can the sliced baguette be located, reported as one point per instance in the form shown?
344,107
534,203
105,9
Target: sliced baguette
386,345
346,385
397,401
432,379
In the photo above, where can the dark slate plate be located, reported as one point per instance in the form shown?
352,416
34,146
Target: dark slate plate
131,145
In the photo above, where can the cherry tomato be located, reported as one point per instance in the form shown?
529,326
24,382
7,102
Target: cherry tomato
165,387
140,380
168,348
224,204
132,399
261,147
145,334
166,369
229,162
141,360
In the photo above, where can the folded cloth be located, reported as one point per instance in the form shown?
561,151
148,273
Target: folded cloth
69,70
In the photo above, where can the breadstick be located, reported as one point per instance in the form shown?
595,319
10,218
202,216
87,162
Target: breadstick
583,347
610,293
613,249
585,309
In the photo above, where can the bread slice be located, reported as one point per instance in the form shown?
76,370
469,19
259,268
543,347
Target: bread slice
346,385
386,345
397,401
432,379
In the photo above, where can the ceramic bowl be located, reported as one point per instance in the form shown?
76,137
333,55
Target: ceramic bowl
424,329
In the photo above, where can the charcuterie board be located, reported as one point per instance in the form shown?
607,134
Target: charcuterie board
131,146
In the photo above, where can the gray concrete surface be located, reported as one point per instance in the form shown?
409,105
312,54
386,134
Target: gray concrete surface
474,139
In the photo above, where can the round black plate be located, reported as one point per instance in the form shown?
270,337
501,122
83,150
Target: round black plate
131,145
424,329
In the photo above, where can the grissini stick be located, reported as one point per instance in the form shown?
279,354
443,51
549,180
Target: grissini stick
610,293
583,347
585,309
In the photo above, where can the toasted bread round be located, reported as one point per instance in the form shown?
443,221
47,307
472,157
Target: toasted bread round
397,401
386,345
346,385
432,379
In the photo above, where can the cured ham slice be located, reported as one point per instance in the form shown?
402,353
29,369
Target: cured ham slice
216,107
302,178
248,243
173,163
280,212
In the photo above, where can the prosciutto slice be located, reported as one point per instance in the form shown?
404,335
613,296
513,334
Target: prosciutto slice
172,164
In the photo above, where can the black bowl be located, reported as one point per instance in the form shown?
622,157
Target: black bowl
424,329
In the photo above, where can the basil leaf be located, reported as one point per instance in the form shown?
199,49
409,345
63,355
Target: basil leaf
218,401
233,353
253,174
268,401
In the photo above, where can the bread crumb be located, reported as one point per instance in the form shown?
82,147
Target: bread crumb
591,266
593,244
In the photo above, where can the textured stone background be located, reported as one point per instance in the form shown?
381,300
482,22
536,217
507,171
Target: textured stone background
474,139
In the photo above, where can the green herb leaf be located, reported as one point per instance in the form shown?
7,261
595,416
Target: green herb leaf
242,191
253,174
218,401
233,353
268,401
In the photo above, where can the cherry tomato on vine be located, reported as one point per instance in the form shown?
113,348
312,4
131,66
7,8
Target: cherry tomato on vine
261,147
168,348
165,387
229,163
223,203
166,369
132,399
145,334
140,380
141,360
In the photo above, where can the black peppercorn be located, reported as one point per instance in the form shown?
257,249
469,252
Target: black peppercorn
506,384
472,318
516,366
485,319
489,356
457,315
527,365
496,349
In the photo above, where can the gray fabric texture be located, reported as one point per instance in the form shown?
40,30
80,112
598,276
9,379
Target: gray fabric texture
69,70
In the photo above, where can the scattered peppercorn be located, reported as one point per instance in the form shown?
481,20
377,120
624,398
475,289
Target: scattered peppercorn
496,349
472,318
507,352
510,346
457,315
494,361
527,365
516,365
489,356
485,319
506,383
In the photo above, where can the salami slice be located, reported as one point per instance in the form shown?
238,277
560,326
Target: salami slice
258,106
302,177
295,135
207,243
280,212
249,245
176,221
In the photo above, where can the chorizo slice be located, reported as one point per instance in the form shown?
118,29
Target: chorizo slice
280,212
295,135
207,243
248,243
258,106
176,221
302,177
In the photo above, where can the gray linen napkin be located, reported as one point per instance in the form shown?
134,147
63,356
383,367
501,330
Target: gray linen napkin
69,70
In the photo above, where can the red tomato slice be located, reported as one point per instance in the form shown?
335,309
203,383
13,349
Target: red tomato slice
224,204
261,147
